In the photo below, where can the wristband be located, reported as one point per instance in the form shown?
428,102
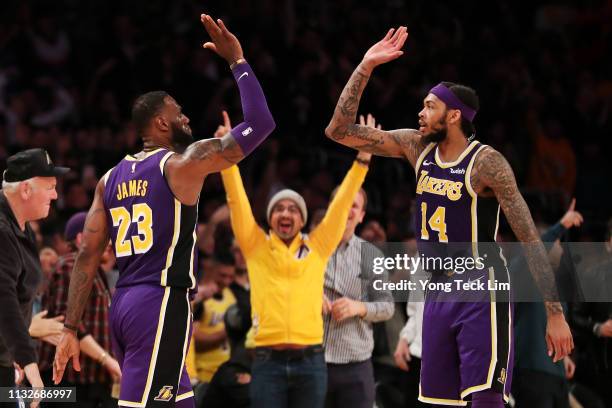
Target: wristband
238,61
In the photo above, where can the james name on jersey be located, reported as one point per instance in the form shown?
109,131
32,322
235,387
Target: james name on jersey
132,188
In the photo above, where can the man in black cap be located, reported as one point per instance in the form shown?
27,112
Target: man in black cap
28,187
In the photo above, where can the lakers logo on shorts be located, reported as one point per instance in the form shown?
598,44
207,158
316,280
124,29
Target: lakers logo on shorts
502,376
165,394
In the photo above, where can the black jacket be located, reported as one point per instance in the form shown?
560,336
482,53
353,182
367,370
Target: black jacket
20,274
597,351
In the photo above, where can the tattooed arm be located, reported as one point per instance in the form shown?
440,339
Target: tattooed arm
186,172
342,128
95,240
492,171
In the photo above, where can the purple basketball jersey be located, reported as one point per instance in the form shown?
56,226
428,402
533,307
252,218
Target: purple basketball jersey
152,233
448,210
467,346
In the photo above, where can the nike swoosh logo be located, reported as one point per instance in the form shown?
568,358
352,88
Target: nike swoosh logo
243,75
427,163
475,280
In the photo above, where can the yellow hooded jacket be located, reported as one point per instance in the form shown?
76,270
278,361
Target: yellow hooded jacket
286,286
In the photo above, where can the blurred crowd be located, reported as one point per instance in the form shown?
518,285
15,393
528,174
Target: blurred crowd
221,355
69,71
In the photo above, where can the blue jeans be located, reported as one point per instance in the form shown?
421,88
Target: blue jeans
289,378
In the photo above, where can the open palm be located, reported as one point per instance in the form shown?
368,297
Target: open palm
223,41
387,49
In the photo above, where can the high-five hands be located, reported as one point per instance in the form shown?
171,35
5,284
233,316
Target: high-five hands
387,49
223,41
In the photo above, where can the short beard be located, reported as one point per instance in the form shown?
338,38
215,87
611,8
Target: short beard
438,135
180,139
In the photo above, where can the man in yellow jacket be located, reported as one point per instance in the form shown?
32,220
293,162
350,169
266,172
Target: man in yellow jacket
286,270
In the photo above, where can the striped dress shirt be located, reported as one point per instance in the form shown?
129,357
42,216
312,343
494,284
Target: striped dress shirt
349,274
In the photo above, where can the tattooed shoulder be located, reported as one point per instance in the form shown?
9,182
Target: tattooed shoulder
230,149
411,142
225,148
491,171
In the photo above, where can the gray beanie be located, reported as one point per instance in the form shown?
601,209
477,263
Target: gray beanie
288,194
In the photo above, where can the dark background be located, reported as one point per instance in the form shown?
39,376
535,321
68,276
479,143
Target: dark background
70,69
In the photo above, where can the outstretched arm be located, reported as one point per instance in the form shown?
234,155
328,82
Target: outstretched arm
247,232
95,240
327,235
491,170
342,127
186,172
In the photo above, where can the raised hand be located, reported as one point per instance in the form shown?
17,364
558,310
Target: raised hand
225,127
223,42
369,122
387,49
572,218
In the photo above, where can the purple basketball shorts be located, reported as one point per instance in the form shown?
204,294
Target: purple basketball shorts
150,331
467,345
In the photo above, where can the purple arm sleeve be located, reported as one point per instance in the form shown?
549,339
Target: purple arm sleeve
258,122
